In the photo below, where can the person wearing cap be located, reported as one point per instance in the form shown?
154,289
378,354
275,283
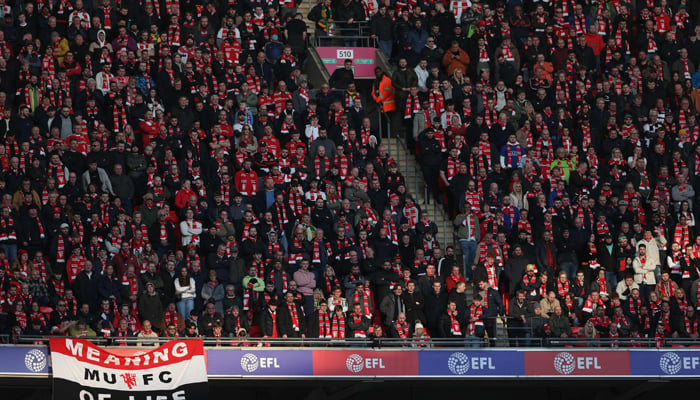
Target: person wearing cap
61,245
420,338
529,283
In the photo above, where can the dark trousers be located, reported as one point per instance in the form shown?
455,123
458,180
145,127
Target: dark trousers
490,325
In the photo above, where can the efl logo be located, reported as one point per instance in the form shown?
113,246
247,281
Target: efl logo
459,364
672,363
355,363
251,362
35,360
565,363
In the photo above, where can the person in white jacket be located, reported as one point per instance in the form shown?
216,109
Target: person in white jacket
185,291
654,244
644,271
191,229
104,78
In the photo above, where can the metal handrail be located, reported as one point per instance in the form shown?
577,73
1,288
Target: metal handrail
363,41
384,342
258,342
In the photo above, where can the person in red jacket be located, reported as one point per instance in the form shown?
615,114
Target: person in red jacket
183,195
455,277
149,128
75,264
594,40
246,180
71,66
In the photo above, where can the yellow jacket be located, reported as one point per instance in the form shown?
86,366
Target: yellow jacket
60,51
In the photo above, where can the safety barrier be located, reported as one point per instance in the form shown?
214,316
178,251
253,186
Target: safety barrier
358,363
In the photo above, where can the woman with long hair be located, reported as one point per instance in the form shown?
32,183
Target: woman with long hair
247,143
185,292
517,196
589,335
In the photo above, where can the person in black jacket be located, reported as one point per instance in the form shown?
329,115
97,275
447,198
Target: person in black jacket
481,271
383,281
269,323
342,76
513,270
357,324
251,245
220,262
689,267
493,308
459,296
348,13
292,322
430,159
517,316
415,305
86,286
208,319
322,217
606,256
29,233
529,283
382,26
320,322
162,234
452,323
566,256
435,303
670,319
234,321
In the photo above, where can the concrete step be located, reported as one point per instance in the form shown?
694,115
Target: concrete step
415,185
304,9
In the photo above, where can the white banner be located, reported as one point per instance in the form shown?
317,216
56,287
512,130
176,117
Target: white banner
83,371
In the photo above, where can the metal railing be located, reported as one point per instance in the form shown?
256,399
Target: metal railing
468,342
358,33
271,342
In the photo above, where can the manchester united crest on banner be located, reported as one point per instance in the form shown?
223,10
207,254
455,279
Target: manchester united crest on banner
174,371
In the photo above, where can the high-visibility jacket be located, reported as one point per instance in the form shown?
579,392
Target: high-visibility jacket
384,95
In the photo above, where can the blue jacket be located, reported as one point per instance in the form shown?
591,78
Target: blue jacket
417,39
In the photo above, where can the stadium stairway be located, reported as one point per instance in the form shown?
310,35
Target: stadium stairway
415,185
304,7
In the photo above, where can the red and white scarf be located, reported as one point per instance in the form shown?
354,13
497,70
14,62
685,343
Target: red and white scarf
338,326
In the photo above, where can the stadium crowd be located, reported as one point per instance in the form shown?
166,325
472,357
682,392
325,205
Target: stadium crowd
167,170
